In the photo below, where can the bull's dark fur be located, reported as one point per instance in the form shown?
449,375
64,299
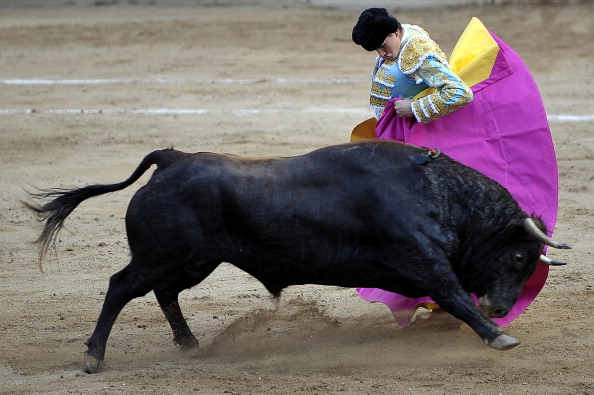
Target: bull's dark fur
354,215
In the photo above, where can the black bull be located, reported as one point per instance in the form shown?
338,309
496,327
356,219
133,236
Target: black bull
377,214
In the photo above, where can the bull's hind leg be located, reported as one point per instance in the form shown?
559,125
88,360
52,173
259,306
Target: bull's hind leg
167,295
127,284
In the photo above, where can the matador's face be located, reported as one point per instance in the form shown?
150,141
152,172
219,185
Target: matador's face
390,48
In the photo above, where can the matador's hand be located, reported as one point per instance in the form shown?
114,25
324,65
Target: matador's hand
403,108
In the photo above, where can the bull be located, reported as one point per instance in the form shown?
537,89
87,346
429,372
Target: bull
376,214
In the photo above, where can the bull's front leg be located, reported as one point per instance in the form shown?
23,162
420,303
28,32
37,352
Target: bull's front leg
436,279
459,304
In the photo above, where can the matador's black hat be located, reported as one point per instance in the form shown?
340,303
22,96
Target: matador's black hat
373,27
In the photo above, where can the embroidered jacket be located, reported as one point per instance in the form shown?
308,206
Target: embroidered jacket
421,64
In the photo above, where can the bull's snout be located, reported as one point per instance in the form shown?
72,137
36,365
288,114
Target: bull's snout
492,310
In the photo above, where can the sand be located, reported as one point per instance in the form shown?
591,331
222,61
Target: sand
116,82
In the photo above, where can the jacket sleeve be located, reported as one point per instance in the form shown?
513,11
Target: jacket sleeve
450,94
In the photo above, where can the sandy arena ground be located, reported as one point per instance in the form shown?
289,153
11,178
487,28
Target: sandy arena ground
258,81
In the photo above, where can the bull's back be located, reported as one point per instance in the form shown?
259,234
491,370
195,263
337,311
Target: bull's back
332,184
346,194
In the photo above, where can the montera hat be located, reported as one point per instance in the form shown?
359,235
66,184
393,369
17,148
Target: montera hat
373,27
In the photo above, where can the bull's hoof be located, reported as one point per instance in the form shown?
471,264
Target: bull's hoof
92,363
503,342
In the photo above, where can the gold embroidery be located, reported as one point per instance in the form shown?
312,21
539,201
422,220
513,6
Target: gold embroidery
376,102
418,47
380,90
383,76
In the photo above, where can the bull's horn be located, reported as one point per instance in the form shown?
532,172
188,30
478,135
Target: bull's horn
534,231
549,261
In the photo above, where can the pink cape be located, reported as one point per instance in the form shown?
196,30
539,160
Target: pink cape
504,134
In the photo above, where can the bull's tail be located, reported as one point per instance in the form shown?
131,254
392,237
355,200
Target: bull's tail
55,212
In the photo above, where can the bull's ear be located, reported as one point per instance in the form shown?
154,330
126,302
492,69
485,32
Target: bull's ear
517,228
514,231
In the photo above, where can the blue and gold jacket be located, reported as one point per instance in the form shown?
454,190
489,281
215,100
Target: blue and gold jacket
420,65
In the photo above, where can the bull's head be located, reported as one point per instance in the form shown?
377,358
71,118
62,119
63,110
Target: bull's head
516,263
